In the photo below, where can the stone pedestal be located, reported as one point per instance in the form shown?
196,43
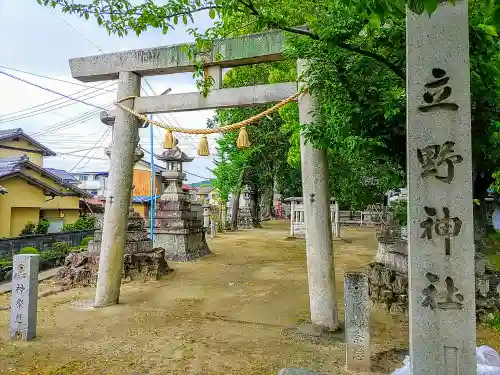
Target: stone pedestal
177,227
245,218
141,260
179,232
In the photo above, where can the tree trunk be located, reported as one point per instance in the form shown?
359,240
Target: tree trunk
223,215
267,203
235,210
254,206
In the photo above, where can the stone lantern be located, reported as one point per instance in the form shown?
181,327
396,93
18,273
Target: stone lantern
178,228
244,212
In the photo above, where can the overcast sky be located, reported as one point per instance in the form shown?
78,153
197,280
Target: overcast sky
41,40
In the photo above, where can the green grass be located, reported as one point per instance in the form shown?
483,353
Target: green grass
495,323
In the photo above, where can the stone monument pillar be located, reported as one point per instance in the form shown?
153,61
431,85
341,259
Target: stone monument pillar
176,227
357,321
24,298
440,239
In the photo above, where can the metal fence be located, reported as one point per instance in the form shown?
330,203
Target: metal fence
11,246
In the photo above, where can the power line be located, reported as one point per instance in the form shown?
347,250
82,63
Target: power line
180,135
66,124
99,140
57,79
52,107
145,80
79,33
50,90
205,178
79,156
48,102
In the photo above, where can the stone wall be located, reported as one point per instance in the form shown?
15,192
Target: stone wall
388,277
11,246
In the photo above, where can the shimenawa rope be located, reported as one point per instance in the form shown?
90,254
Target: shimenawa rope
242,142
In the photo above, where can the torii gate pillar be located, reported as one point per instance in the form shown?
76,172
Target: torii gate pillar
125,138
320,268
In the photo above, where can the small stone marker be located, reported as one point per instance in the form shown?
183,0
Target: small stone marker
357,321
206,215
440,224
24,297
212,229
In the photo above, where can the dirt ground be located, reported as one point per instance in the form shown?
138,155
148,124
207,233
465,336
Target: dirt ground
228,313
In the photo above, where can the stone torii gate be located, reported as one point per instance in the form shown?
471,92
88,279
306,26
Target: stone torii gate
128,67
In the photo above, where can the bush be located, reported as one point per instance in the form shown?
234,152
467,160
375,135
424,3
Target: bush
42,227
85,241
29,229
28,250
82,223
61,248
399,210
495,323
4,262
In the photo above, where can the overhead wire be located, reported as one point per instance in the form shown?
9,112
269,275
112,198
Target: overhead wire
58,79
50,90
47,102
53,107
66,124
93,148
182,136
79,33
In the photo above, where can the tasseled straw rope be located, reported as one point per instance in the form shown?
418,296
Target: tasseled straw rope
242,141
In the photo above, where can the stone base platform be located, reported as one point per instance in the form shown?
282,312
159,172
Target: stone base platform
145,266
81,269
182,245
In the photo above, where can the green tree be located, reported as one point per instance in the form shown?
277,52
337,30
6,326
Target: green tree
263,164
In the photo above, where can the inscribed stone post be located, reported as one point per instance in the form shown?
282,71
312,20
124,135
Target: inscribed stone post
441,247
24,297
357,321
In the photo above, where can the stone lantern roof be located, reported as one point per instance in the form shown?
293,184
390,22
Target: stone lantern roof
174,154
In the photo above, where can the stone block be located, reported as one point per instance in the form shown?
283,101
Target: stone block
357,321
79,270
182,247
24,297
138,247
173,205
174,224
145,266
136,235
